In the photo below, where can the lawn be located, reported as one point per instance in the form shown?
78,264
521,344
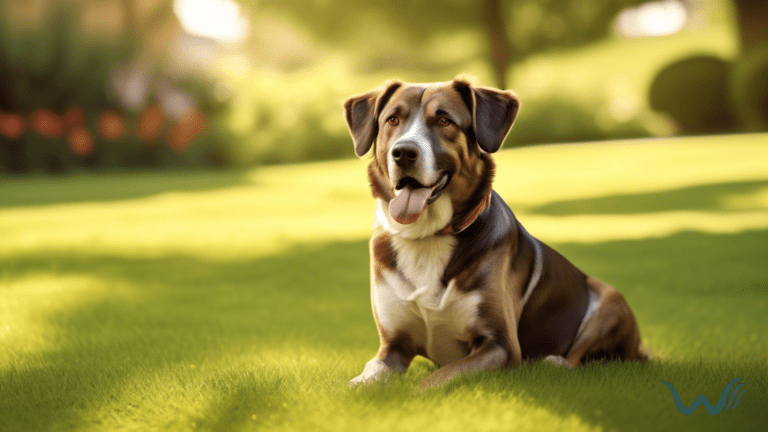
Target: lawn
220,301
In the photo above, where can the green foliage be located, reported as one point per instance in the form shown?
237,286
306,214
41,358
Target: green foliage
414,20
706,94
289,117
54,66
559,119
694,92
536,26
566,97
533,26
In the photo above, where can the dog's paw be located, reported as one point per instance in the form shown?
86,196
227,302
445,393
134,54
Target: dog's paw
375,370
358,380
364,379
559,361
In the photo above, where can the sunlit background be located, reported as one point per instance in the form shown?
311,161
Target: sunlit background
107,84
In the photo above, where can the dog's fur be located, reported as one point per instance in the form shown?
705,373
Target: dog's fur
462,282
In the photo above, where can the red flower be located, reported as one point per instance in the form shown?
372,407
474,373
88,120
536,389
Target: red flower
111,125
151,124
81,141
47,123
74,116
12,125
189,127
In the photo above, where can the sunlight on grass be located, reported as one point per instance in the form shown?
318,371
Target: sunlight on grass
298,387
600,228
530,177
535,175
274,210
28,305
276,207
239,301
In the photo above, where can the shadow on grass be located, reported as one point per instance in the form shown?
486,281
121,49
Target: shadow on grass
637,400
686,263
686,289
179,310
701,197
49,190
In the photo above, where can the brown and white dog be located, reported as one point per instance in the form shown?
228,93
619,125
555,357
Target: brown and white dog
454,276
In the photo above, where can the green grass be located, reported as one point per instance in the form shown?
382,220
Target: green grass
239,301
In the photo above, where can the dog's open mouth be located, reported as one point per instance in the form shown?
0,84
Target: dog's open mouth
412,198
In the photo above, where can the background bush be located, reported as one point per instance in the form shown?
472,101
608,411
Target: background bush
694,91
57,113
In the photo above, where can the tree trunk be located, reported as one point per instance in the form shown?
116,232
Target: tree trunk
501,49
752,16
131,19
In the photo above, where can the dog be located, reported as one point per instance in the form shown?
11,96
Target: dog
455,277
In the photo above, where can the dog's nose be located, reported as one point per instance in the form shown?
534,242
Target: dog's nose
405,153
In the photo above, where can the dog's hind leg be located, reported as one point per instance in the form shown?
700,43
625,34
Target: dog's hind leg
610,332
557,361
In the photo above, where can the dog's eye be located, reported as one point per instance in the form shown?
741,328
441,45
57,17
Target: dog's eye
394,120
442,121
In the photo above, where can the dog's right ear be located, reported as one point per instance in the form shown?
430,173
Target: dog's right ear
493,112
362,112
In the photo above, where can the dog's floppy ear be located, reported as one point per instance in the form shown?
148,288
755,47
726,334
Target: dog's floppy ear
362,112
493,112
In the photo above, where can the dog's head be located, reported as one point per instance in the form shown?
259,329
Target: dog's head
432,145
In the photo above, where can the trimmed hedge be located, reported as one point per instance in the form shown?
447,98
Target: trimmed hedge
694,92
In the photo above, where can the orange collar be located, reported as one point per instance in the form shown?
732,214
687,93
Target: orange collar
484,204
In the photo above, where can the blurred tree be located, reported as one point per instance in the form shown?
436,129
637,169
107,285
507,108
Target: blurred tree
512,29
533,26
146,22
752,16
67,55
749,73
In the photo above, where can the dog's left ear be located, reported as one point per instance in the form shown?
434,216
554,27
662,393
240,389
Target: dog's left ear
493,112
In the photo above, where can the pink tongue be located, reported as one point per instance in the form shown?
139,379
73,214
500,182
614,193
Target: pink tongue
409,204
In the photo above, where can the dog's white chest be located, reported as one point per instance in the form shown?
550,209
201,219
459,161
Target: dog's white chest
414,301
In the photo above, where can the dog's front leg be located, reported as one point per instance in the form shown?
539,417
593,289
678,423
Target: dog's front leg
392,358
488,355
